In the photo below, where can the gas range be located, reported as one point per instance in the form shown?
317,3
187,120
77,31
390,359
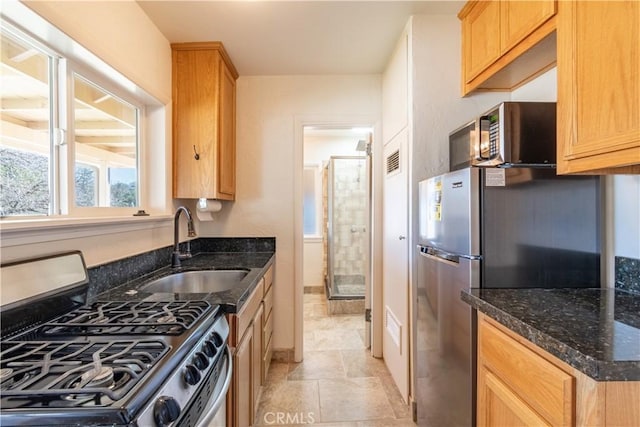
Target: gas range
138,363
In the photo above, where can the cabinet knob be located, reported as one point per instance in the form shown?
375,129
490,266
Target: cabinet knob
195,153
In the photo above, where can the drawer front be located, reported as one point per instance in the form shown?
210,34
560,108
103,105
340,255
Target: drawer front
267,331
268,301
542,385
268,279
266,362
240,321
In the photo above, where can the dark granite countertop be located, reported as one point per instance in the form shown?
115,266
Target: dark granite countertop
254,257
597,331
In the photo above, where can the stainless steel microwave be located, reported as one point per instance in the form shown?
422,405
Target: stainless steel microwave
512,134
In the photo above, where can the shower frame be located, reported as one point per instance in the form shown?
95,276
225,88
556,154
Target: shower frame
330,274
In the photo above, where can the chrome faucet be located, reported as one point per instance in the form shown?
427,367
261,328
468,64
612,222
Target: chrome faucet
177,256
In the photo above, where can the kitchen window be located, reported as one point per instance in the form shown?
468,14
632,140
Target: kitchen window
70,139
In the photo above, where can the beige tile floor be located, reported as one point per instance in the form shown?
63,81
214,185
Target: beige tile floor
337,384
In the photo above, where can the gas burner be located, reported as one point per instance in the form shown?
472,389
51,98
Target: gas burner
128,318
6,379
167,319
76,373
5,373
102,377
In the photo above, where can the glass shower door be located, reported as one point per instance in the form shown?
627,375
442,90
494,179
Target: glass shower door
348,216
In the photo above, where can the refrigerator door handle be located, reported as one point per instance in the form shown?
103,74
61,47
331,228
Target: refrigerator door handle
449,256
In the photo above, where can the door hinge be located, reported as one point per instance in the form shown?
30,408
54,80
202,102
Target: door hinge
414,411
367,315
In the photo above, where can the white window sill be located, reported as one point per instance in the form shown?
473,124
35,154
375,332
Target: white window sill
312,239
29,231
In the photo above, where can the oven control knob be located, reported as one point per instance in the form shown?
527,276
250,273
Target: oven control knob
209,348
217,339
192,375
166,410
200,360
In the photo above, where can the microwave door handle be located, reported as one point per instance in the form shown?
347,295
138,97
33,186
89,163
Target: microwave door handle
478,144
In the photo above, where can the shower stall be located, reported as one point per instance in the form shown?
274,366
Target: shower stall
346,181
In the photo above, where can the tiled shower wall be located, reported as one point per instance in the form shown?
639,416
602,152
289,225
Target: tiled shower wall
349,216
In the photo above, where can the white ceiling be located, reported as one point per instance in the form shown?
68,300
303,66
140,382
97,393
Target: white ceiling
295,37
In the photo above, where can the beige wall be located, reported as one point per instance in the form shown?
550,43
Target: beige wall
267,111
140,52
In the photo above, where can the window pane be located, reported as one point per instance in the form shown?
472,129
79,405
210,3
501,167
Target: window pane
86,183
25,187
309,201
123,187
106,134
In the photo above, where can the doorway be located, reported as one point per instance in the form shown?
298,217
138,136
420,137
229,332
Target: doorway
337,222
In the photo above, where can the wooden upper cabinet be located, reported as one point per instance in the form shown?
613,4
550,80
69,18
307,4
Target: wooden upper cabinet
518,19
506,43
481,34
204,102
599,87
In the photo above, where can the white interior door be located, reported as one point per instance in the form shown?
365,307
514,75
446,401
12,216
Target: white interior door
395,260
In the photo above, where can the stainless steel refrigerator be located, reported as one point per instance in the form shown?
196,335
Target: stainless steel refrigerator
491,228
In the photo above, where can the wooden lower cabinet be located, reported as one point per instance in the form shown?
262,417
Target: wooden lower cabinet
503,407
256,357
250,342
243,406
519,384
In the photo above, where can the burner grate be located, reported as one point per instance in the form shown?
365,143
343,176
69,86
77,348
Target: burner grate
128,318
73,374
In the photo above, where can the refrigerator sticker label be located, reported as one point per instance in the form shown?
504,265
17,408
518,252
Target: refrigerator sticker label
494,178
436,211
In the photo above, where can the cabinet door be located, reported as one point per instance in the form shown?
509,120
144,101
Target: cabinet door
542,386
227,138
480,38
521,18
194,122
243,406
500,406
598,86
256,357
204,156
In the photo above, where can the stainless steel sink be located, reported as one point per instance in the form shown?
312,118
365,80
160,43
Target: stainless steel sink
196,282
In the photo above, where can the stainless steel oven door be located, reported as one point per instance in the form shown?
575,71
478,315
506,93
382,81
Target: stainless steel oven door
214,415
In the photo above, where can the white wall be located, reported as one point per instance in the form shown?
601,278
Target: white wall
626,216
318,149
268,109
122,35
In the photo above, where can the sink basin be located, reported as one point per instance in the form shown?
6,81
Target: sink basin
196,282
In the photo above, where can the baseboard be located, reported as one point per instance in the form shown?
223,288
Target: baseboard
285,355
314,289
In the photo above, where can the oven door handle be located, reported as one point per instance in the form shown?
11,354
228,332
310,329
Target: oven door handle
210,412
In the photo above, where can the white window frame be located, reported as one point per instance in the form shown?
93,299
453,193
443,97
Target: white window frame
153,195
